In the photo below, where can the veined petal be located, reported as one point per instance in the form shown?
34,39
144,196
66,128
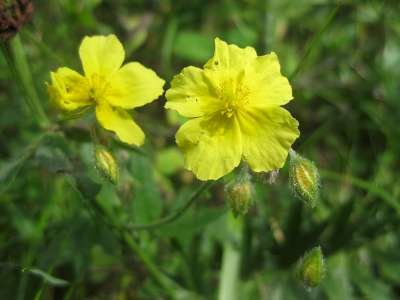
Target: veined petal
192,93
267,136
270,88
133,85
101,55
212,147
230,56
69,90
120,122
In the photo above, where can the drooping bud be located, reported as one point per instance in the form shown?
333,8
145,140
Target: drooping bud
304,178
311,268
240,193
13,15
106,164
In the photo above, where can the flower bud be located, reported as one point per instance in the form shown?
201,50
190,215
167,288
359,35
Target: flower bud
304,178
13,15
311,268
106,164
239,194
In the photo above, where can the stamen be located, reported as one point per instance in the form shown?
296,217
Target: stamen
234,95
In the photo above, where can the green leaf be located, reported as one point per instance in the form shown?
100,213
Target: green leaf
370,286
147,198
193,46
169,160
336,284
9,170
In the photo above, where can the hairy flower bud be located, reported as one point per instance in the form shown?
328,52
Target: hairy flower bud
304,178
311,268
239,194
13,15
106,164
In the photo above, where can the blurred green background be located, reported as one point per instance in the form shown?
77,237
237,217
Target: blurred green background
345,56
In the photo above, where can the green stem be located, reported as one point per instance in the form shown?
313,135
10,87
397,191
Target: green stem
162,280
125,238
229,274
17,61
315,39
124,234
168,219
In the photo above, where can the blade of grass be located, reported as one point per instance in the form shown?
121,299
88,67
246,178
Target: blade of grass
365,185
167,46
124,236
314,41
41,45
15,55
10,170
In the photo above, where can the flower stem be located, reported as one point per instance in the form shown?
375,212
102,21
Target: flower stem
17,61
124,235
175,215
229,274
162,280
126,239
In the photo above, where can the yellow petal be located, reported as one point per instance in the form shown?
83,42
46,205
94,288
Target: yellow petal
267,136
101,55
192,93
212,147
269,87
69,90
120,122
230,56
133,85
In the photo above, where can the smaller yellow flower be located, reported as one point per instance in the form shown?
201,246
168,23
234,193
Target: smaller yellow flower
234,105
109,86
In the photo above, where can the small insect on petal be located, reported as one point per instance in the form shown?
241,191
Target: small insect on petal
304,178
106,164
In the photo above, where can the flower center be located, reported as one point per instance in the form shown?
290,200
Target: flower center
234,95
98,87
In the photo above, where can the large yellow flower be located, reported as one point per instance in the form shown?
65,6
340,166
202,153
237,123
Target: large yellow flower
234,105
108,85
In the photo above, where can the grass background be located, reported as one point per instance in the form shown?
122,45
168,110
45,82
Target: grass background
343,59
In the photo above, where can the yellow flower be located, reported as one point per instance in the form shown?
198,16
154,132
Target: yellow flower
234,105
109,86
